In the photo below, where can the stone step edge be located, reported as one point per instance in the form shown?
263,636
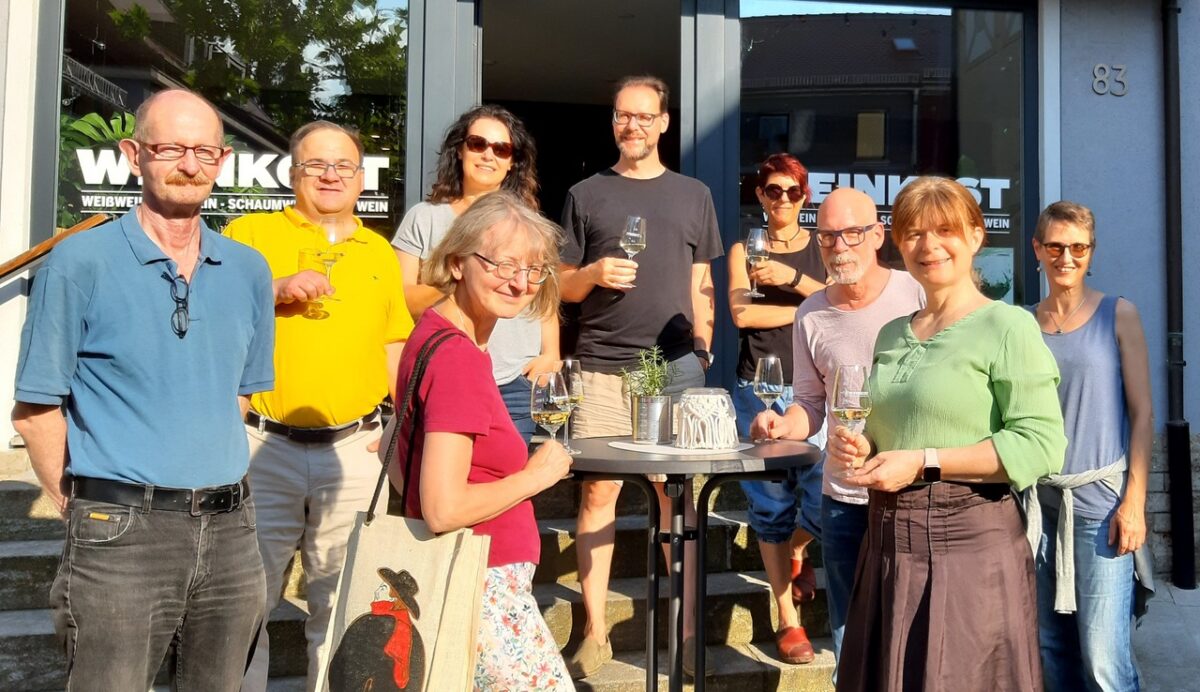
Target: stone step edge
730,660
53,546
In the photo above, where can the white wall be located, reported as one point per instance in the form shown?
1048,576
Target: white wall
16,151
1189,60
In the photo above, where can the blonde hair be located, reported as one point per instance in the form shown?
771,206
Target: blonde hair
935,201
469,231
1066,212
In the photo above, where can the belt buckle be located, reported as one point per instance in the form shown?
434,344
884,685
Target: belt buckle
220,501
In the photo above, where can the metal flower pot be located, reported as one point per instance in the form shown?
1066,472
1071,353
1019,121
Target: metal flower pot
651,419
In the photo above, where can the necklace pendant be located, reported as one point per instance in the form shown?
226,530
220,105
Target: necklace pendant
1058,331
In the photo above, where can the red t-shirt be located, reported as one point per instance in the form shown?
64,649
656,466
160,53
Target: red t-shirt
458,395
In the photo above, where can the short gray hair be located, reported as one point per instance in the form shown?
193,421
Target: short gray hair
306,130
468,232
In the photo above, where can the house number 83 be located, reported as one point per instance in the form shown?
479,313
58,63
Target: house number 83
1109,79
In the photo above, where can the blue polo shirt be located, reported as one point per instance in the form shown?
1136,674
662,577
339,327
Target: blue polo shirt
142,404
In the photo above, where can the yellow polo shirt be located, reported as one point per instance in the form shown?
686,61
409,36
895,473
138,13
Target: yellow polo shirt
329,369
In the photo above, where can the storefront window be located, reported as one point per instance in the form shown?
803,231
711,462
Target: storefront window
270,66
869,96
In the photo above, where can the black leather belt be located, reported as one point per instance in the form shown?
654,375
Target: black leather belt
310,435
223,498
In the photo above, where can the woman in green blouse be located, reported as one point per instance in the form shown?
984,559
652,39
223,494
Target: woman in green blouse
965,410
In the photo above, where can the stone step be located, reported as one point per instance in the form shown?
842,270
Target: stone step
738,668
27,567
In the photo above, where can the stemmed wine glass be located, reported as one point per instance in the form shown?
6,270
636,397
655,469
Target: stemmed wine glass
549,401
851,398
633,239
768,380
573,374
757,250
328,256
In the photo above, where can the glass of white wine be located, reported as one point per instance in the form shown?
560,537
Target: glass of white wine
768,381
851,398
549,401
757,250
572,372
633,239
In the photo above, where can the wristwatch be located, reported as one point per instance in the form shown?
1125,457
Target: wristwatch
932,473
705,356
796,281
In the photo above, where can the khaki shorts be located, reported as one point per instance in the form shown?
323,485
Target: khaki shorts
605,411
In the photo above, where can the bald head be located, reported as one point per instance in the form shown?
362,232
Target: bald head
193,106
848,216
845,207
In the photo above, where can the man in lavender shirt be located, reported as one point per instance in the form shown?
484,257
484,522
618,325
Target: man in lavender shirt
837,326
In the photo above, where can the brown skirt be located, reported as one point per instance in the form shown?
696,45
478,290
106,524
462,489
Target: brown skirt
944,597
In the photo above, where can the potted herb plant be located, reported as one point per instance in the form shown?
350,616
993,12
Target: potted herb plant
650,409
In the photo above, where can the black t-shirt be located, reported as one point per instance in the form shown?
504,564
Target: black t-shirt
681,230
756,343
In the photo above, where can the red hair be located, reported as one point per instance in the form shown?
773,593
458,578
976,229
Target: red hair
784,164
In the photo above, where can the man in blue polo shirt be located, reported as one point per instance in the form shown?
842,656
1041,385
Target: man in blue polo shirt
150,333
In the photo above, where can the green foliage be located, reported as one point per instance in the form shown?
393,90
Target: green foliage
652,374
995,288
132,24
85,132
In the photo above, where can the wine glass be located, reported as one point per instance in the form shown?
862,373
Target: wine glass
633,239
328,256
573,374
311,258
851,398
549,401
768,380
757,250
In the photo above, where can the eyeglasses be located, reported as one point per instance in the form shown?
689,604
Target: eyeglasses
477,145
1078,250
537,274
169,151
643,119
773,192
317,168
851,236
179,293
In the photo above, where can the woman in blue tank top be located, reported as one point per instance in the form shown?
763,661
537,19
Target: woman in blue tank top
1094,509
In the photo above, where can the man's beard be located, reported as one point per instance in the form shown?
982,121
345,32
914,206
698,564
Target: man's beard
635,149
845,268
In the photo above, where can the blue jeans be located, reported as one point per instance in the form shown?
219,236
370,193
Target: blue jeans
778,507
134,583
1089,649
516,399
843,527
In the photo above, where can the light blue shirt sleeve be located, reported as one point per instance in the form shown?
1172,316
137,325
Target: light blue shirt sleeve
259,372
51,337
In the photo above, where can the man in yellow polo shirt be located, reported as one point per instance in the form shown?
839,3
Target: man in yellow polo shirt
338,338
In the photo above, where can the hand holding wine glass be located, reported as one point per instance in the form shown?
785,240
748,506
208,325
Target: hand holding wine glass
549,401
852,399
757,250
768,380
633,238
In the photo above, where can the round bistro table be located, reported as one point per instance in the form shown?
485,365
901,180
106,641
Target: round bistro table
764,461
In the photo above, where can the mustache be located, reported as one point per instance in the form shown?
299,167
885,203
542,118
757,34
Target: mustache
847,257
181,178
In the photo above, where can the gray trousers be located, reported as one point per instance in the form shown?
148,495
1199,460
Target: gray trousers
132,584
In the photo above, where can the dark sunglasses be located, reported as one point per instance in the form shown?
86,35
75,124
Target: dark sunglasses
180,320
1078,250
773,192
477,144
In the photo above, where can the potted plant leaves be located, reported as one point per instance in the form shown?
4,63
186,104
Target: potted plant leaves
650,409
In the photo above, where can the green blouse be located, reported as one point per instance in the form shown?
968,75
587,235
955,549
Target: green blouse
988,375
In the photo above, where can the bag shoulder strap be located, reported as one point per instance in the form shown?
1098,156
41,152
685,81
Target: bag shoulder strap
408,404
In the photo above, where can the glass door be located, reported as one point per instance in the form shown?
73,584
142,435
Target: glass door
869,96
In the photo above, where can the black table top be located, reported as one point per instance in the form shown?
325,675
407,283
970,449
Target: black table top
598,457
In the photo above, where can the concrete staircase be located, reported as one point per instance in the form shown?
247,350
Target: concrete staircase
740,617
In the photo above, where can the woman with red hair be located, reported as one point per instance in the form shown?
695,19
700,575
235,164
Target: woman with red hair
784,523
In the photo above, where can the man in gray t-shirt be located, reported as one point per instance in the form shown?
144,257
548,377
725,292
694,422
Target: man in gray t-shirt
838,326
663,297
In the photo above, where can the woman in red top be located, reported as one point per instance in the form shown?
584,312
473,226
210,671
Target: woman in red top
496,261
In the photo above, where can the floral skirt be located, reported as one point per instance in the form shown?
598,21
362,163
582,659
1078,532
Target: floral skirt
516,649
